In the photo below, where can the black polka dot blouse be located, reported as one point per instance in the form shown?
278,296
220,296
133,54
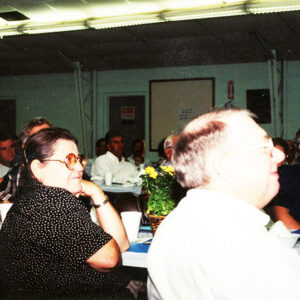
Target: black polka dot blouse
45,241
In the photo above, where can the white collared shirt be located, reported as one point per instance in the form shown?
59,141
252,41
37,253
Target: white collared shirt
214,246
3,170
122,170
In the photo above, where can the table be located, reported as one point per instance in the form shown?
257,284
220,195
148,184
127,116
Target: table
136,255
118,188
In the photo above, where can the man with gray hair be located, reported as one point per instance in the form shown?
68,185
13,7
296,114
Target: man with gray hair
215,245
169,145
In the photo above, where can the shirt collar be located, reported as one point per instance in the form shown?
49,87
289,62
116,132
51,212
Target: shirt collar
243,208
111,155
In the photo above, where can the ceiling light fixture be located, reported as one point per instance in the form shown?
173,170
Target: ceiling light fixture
203,14
232,10
124,21
227,8
283,6
48,28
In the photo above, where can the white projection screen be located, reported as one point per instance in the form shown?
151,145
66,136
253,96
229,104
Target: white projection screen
173,103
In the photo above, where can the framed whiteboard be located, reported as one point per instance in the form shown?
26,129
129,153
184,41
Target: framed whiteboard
173,103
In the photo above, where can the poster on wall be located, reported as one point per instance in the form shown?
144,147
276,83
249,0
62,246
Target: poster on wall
173,103
186,115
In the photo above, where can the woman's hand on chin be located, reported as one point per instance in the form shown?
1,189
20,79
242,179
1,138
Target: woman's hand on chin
90,189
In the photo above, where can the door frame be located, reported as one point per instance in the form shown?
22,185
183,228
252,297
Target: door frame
145,94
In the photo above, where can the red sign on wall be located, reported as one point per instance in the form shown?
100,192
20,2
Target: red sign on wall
230,90
127,113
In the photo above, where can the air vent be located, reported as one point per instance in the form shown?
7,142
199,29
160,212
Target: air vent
12,16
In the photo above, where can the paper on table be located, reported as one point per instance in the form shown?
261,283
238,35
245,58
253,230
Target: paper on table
97,179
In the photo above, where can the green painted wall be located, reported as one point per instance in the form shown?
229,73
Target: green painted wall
54,95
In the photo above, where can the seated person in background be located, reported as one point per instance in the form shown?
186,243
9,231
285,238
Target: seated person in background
11,184
7,153
100,150
101,147
297,146
290,157
214,244
286,205
113,161
137,150
17,158
139,162
49,245
161,153
169,145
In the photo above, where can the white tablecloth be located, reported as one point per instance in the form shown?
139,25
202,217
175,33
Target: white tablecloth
119,188
131,258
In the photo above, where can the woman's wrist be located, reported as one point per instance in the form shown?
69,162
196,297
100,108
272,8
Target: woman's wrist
101,201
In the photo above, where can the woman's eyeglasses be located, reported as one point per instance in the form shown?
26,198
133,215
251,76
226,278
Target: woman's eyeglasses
71,160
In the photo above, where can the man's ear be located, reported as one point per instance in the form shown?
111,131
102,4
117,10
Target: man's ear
108,147
168,153
36,169
224,168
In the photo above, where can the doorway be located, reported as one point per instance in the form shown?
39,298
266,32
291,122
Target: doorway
127,115
8,116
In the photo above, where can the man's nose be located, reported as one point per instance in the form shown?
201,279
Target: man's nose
277,155
11,149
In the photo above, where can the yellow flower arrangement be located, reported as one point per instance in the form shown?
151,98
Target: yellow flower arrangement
158,184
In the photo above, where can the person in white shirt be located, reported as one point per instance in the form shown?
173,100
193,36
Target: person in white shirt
215,245
138,155
113,161
7,153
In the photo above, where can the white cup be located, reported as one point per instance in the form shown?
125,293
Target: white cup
4,208
131,221
108,178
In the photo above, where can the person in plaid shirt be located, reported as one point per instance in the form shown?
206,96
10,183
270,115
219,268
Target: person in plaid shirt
10,184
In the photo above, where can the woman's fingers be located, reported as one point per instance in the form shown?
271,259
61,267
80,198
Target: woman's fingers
90,189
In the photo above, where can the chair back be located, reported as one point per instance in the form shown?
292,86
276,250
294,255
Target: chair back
124,201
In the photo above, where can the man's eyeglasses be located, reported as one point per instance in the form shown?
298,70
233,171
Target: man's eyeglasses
268,144
71,160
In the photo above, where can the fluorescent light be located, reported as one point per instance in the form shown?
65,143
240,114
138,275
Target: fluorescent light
231,10
41,28
124,21
205,13
272,7
52,28
9,32
216,8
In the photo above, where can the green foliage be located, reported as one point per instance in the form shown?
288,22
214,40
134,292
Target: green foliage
158,185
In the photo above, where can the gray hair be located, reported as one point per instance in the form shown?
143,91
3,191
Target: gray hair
168,143
192,157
